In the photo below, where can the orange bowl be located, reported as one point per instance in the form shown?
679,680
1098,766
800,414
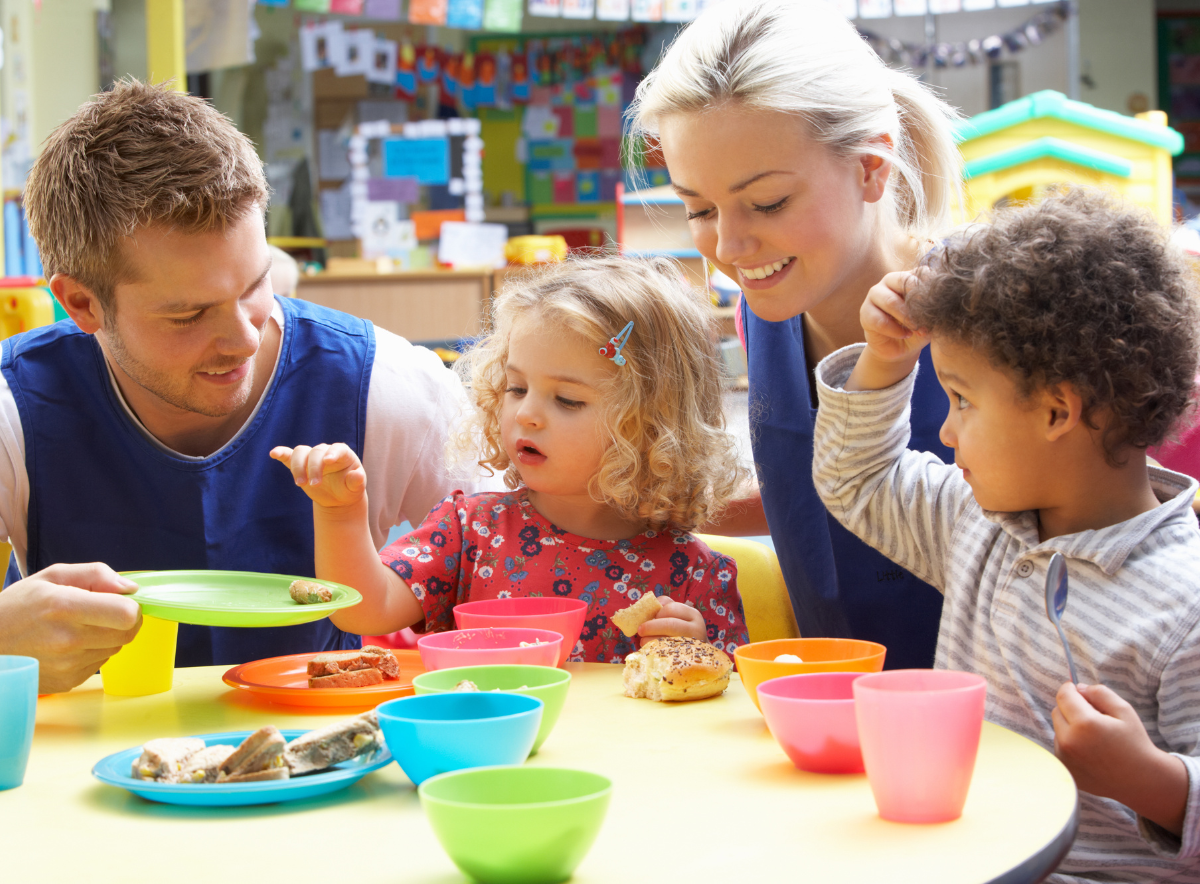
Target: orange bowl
756,661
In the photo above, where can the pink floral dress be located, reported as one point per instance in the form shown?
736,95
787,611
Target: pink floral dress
496,545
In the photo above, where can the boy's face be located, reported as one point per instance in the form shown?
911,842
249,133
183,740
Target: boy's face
999,441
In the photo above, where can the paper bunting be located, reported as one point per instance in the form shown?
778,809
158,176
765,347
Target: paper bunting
466,14
545,8
612,10
427,12
578,9
383,10
503,15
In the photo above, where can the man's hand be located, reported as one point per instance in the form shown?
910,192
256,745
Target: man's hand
673,618
1103,743
893,345
71,618
331,475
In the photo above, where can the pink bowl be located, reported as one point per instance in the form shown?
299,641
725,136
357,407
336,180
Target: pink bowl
812,717
564,616
479,647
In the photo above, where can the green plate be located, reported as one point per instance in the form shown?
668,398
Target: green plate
232,598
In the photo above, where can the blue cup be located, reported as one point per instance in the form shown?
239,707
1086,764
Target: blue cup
18,710
438,733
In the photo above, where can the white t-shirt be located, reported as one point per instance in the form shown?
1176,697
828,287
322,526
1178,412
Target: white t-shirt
413,402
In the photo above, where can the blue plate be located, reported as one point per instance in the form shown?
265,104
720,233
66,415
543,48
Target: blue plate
115,770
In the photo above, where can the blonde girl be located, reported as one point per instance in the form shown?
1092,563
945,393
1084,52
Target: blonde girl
598,396
808,169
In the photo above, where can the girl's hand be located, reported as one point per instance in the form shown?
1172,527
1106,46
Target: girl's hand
884,318
331,475
1103,743
674,618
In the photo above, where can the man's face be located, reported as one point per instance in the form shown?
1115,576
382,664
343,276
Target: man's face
186,329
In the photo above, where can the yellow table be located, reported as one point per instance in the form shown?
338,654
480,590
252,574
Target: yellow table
702,793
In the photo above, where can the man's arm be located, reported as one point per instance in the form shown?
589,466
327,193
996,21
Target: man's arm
71,618
743,517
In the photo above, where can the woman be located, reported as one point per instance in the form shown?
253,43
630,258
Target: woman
808,169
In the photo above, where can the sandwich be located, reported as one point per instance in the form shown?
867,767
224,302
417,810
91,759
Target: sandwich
334,744
164,757
307,592
259,757
341,669
203,766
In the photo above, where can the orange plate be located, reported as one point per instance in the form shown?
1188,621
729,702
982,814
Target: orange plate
285,680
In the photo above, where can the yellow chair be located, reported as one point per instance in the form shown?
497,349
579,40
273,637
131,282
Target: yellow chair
24,308
765,599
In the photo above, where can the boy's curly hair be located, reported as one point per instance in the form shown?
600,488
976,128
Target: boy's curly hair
1078,289
670,461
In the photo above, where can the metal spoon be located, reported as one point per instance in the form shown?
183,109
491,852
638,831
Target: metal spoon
1056,603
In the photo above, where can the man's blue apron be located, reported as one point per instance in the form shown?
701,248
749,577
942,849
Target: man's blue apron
100,491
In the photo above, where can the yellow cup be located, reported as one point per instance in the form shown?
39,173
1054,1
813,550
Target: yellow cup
145,665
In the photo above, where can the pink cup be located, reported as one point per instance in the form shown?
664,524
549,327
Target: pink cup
811,716
564,616
919,730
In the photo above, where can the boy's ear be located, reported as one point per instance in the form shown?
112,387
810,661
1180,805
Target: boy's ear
1065,411
876,171
79,301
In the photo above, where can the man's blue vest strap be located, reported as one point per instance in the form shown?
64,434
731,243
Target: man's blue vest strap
101,491
840,587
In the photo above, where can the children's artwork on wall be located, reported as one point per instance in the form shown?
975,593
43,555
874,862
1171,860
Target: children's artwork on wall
406,71
358,50
320,44
681,10
346,7
545,8
503,15
467,14
382,67
383,10
463,244
321,6
581,9
405,189
426,159
646,10
427,12
612,10
384,233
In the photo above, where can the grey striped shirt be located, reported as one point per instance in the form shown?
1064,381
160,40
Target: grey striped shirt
1133,621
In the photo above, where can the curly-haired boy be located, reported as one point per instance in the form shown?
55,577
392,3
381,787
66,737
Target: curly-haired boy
1065,335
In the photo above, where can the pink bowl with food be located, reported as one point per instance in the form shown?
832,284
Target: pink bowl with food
564,616
490,644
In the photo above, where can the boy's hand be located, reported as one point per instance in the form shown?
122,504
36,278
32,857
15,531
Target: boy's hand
1103,743
331,475
673,618
893,346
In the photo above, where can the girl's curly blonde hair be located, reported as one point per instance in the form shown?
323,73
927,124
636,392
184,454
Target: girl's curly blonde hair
669,462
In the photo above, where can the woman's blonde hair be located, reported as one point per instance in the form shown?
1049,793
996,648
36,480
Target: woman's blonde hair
669,461
803,57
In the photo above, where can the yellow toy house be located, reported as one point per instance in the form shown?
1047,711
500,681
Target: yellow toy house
1017,151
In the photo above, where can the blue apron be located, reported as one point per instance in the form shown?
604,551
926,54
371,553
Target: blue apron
100,491
840,587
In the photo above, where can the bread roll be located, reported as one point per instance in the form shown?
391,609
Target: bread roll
676,668
629,619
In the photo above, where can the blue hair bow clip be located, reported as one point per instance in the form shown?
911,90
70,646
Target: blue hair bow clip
612,350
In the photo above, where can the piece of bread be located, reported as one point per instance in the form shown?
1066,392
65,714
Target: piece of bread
306,592
271,773
203,766
164,757
370,657
629,619
357,678
260,751
676,668
333,744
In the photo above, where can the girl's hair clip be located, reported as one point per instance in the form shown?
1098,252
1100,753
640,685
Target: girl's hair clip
612,350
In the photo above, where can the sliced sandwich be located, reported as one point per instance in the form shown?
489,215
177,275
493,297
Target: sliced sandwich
341,669
259,757
164,757
334,744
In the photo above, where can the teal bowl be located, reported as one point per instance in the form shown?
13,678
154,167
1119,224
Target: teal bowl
516,825
546,683
436,733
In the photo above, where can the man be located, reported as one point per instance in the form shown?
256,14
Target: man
137,434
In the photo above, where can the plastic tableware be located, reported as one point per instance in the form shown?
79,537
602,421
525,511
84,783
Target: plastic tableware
284,680
147,664
479,647
564,616
115,771
812,718
437,733
18,710
548,685
756,661
232,598
1056,604
516,825
919,730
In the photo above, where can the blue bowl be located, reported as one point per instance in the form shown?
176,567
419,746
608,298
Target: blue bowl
438,733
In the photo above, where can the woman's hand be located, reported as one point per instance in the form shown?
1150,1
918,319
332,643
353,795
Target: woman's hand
893,345
331,475
1103,743
673,618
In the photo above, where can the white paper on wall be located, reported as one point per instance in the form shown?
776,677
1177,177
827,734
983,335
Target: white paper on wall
320,44
463,244
381,66
580,9
612,10
359,47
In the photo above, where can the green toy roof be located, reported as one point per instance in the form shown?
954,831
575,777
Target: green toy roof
1049,103
1057,148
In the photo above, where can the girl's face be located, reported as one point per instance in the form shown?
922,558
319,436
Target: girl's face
551,422
776,212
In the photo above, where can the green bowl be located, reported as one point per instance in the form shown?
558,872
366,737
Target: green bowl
546,683
515,824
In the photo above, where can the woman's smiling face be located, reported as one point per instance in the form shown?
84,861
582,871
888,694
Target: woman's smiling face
775,211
